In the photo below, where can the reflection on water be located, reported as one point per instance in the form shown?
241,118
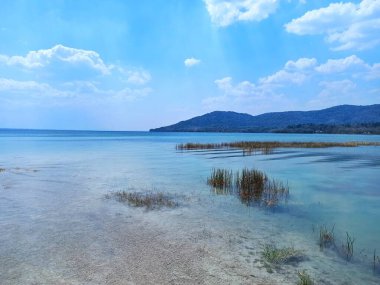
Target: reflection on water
57,228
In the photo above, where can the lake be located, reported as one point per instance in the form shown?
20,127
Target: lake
58,227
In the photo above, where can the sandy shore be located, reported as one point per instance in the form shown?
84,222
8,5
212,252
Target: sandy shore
119,248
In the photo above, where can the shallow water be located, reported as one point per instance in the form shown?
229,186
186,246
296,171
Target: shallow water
57,227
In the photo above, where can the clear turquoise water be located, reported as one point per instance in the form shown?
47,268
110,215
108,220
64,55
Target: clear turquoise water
52,195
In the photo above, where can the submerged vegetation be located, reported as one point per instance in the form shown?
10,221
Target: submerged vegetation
326,237
149,200
220,178
348,247
267,147
304,278
2,169
376,262
251,186
327,240
254,186
275,255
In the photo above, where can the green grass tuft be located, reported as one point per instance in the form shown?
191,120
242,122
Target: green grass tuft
304,278
149,200
275,255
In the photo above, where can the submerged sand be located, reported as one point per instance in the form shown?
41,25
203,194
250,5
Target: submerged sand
121,248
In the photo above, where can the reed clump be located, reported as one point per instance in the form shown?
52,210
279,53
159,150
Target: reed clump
254,186
304,278
220,178
275,255
267,147
326,237
276,191
149,200
327,240
250,185
251,180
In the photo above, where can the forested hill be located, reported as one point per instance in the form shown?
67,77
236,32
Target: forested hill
338,119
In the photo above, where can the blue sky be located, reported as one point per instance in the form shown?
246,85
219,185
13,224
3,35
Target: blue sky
135,65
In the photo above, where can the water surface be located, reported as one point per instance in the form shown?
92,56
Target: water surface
57,227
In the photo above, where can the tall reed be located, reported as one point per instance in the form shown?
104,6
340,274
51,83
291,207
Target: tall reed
348,247
252,186
267,147
326,237
220,178
376,262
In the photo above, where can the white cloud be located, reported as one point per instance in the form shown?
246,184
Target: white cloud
301,64
332,92
224,84
373,73
69,72
131,94
189,62
139,77
346,26
30,88
66,63
284,77
303,82
241,89
343,64
80,87
59,54
337,87
224,13
10,84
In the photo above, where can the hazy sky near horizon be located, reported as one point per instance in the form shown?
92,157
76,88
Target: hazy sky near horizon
140,64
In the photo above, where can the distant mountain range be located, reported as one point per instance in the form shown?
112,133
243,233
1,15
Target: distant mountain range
338,119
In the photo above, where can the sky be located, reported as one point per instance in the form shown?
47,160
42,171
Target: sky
141,64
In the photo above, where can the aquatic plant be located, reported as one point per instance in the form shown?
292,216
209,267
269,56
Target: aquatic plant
348,247
195,146
222,191
149,200
254,186
376,262
251,180
267,147
275,255
326,237
220,178
327,240
2,169
304,278
274,192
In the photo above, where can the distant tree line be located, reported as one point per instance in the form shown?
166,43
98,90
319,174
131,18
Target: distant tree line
360,128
